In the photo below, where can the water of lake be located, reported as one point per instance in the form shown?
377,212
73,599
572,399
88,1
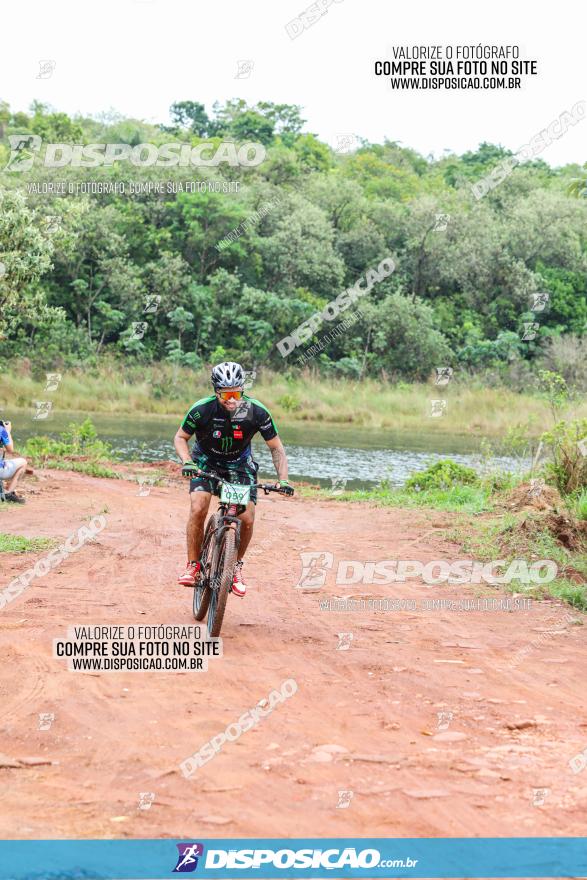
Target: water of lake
317,452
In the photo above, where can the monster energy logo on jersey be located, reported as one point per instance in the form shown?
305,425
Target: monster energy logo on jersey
226,444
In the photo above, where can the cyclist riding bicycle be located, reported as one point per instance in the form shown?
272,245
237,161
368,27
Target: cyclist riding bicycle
224,425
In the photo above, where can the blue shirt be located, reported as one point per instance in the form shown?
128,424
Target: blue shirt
4,441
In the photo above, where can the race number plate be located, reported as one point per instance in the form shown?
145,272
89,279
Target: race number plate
234,494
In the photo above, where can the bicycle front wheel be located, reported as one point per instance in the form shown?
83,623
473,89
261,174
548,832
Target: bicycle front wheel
202,588
221,582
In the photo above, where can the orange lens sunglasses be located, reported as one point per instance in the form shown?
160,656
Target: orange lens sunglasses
230,395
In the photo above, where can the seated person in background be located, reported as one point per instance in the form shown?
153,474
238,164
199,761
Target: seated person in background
11,469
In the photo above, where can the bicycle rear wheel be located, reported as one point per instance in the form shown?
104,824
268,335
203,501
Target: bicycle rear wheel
221,582
202,589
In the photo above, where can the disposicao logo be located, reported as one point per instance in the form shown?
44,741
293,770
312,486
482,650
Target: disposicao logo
25,147
187,859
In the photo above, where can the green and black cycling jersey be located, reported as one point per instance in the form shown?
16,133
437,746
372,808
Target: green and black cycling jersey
226,436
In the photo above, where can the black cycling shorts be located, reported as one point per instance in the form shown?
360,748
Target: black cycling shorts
243,473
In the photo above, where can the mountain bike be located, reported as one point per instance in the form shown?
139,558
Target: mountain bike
220,548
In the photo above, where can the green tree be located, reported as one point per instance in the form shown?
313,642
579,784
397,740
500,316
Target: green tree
95,267
25,256
181,320
192,115
404,338
298,249
4,117
286,118
54,127
199,221
312,154
107,321
251,126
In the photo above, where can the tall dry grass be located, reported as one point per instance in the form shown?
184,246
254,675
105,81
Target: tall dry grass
163,389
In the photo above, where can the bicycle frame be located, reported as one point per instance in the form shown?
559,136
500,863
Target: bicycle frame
212,585
226,520
228,517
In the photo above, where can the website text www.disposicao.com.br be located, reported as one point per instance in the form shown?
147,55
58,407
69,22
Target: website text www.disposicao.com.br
303,858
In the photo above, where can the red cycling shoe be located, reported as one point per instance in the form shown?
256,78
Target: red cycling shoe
190,575
239,588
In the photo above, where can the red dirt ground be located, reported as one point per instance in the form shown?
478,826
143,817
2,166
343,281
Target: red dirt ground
363,719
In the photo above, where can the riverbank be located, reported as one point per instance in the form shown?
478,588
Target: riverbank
163,390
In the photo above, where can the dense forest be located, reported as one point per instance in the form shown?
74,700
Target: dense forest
228,272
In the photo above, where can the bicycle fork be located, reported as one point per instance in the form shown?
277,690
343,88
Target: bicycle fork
226,522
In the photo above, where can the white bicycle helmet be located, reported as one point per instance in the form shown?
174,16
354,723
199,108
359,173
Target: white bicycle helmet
228,375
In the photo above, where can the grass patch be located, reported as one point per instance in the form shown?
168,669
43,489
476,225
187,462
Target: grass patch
20,544
578,505
92,469
466,499
528,536
444,485
77,449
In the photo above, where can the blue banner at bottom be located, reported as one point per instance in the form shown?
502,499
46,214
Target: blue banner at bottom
282,858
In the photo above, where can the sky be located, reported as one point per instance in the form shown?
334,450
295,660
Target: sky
139,56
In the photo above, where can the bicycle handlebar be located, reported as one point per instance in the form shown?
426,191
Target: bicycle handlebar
194,471
271,487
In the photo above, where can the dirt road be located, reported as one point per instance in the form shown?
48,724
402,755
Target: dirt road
364,720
